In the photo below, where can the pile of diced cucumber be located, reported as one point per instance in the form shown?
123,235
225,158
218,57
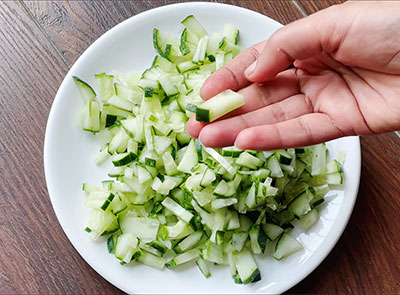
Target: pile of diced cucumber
168,199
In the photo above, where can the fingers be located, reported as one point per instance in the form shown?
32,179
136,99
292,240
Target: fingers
256,96
302,131
194,127
299,40
231,76
260,95
224,133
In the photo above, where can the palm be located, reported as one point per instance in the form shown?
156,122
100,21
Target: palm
354,98
342,83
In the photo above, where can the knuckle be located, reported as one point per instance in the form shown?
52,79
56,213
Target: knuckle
230,76
305,128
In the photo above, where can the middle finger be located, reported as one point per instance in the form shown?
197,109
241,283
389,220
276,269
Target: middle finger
256,96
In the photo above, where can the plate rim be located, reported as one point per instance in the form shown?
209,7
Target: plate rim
314,261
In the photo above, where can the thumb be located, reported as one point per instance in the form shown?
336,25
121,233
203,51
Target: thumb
299,40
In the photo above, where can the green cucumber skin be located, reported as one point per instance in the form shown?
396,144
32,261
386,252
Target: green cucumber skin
160,120
202,115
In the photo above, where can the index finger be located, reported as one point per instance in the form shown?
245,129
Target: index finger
231,76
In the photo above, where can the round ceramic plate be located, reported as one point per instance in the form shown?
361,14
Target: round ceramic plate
68,153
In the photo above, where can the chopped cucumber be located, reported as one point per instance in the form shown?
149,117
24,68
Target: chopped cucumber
202,265
231,33
172,200
189,242
219,105
246,266
184,257
87,93
286,246
194,26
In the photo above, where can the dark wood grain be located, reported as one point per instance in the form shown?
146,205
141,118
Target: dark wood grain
312,6
74,25
35,255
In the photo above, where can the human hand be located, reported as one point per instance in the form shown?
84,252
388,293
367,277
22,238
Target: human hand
345,81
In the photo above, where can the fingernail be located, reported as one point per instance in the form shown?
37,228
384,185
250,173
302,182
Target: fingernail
236,145
250,69
199,138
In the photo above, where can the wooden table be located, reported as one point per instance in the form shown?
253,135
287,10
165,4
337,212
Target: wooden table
39,41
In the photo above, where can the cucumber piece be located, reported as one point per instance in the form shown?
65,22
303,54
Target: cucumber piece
283,157
110,120
272,231
208,178
177,209
233,222
224,189
203,197
105,84
87,93
203,267
166,84
231,33
221,160
319,159
212,252
126,247
112,243
247,160
194,26
301,205
258,239
123,159
230,49
246,266
143,246
183,258
169,164
189,242
190,158
88,188
141,227
213,46
99,199
200,52
159,246
334,178
187,66
134,96
184,45
151,260
251,197
219,105
115,111
286,246
274,167
221,203
219,60
238,239
308,220
166,44
178,231
164,64
231,152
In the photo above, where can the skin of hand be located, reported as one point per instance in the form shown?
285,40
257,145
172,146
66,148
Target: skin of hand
344,80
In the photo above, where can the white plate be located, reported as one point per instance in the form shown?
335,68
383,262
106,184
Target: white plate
68,152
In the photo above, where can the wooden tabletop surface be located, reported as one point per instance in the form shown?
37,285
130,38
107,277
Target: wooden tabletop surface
39,41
